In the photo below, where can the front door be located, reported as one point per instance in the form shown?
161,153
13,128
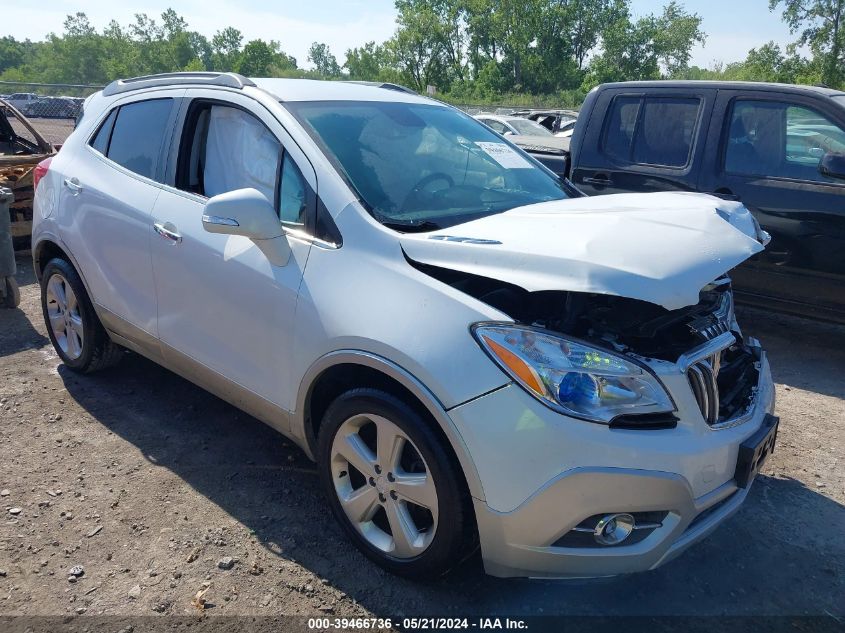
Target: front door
769,156
221,303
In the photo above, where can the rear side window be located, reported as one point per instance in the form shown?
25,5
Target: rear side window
655,131
138,134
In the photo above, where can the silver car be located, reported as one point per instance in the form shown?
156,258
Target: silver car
471,351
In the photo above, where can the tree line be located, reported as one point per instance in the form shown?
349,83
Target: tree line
468,50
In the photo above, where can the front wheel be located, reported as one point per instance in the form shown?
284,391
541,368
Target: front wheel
394,484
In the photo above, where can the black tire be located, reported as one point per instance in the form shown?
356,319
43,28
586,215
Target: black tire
455,536
98,350
11,293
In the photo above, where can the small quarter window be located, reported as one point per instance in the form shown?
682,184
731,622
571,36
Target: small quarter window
292,194
100,142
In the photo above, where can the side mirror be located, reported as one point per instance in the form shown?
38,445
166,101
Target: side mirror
832,165
248,213
507,133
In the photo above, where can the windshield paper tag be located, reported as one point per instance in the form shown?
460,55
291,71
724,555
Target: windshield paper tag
504,155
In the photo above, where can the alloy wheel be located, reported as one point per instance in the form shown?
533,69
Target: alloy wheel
63,314
384,485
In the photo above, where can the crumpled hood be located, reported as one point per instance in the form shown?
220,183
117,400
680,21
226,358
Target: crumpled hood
662,247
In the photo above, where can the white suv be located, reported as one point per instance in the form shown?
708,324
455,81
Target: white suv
472,351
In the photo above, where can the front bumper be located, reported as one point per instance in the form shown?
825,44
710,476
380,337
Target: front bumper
543,474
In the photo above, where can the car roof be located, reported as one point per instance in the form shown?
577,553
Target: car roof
281,89
725,85
323,90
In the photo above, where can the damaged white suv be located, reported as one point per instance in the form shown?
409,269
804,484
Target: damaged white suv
472,351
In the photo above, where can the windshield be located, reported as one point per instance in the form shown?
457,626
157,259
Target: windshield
529,128
420,167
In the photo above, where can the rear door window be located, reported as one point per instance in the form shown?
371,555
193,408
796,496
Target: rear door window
138,135
653,131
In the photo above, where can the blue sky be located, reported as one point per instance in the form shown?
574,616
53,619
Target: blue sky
733,26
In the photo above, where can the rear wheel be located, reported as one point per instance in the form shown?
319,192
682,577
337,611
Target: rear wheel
394,485
75,331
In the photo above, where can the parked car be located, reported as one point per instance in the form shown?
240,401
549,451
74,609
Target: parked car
21,149
779,149
533,138
471,350
558,122
20,100
512,125
54,107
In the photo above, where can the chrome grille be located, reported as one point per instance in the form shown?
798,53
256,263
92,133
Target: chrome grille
702,366
702,377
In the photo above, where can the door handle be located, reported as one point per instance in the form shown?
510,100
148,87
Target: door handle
167,231
599,180
73,185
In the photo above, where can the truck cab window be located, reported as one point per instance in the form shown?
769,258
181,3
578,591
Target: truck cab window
780,140
654,131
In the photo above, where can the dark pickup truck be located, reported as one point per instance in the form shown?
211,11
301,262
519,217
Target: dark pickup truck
779,149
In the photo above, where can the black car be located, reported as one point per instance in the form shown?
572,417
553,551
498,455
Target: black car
779,149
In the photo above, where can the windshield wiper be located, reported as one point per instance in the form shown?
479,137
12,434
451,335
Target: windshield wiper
423,226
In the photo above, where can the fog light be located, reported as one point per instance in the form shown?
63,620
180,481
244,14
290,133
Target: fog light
613,529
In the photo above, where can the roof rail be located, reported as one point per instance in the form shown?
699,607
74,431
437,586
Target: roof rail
228,80
386,85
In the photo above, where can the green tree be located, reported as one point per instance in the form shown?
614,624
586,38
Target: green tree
637,50
821,26
256,59
325,64
226,49
370,62
11,53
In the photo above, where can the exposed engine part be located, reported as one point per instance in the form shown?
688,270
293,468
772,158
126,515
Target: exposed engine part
618,323
630,325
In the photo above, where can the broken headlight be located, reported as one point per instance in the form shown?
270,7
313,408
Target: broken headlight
572,377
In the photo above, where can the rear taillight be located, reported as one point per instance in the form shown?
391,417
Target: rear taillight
40,171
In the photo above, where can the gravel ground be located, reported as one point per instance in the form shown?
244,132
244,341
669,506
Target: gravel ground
54,131
160,490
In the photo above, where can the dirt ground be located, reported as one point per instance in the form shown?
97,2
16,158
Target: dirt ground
148,482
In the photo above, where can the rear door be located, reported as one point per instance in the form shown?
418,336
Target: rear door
108,193
766,150
646,140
